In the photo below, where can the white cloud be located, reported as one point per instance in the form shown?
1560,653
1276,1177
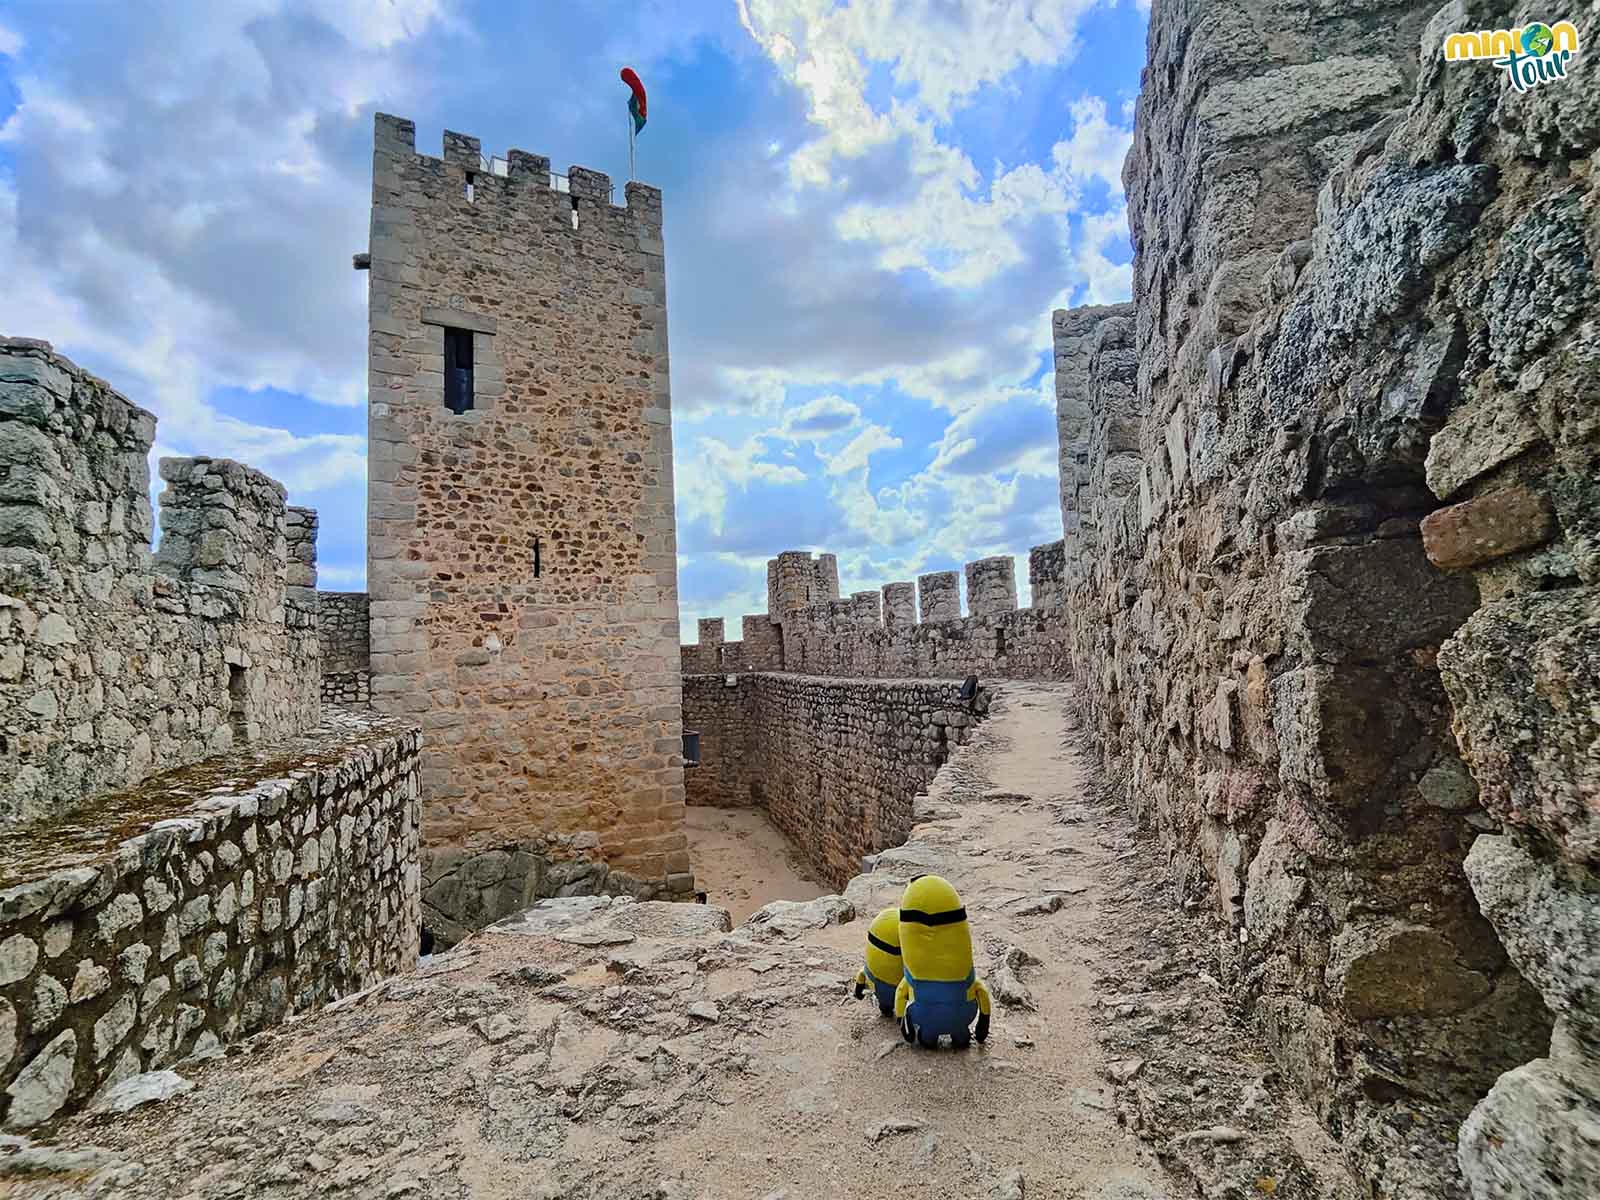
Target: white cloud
820,418
705,480
857,452
337,577
198,239
1096,148
1105,282
949,227
11,43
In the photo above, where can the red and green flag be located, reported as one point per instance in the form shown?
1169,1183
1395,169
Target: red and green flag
636,102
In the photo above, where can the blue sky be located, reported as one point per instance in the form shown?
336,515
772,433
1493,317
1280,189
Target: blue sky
871,209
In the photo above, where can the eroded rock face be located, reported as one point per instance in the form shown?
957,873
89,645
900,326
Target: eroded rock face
1522,675
1329,498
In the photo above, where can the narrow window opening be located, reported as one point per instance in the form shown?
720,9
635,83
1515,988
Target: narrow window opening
236,709
574,212
536,556
471,188
458,370
1000,643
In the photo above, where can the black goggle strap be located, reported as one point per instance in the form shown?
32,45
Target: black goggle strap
918,917
875,940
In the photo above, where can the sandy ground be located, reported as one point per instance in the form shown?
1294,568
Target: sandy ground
597,1049
742,860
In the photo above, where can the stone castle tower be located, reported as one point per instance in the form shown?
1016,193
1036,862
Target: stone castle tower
522,554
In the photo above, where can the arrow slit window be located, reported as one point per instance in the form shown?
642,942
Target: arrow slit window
457,369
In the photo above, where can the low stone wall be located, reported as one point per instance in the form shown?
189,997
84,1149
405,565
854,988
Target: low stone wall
835,762
344,631
253,886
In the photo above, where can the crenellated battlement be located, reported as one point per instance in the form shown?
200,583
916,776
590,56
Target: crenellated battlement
903,629
489,179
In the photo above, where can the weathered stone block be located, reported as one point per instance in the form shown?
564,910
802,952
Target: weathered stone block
1393,969
1371,602
1487,527
1522,674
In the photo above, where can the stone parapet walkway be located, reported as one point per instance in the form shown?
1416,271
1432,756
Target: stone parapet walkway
603,1048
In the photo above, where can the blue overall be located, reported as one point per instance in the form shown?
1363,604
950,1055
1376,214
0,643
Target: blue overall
939,1007
883,991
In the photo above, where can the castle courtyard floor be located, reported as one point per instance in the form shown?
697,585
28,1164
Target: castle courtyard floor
592,1048
741,860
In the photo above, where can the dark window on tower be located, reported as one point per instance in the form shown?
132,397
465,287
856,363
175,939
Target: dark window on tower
458,369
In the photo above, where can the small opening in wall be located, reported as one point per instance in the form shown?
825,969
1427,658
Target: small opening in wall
471,187
457,369
537,554
236,698
574,212
999,643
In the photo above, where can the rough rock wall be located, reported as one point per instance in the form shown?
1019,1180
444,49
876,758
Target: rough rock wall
257,885
875,635
343,628
1517,463
1362,289
835,762
113,666
522,553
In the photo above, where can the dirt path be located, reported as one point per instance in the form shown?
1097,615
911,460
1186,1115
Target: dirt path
594,1049
742,860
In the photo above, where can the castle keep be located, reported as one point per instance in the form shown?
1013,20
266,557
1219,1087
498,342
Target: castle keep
522,560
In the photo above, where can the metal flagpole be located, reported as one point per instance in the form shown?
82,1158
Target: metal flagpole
630,147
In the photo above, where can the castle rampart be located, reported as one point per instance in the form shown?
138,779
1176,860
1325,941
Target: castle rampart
189,852
114,664
873,634
521,548
835,763
344,630
1329,531
263,884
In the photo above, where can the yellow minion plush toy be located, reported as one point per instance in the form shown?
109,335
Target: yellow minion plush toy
883,960
939,990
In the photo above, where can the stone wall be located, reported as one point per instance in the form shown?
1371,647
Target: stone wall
875,635
113,666
836,763
1343,438
300,544
721,709
343,620
208,903
522,558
